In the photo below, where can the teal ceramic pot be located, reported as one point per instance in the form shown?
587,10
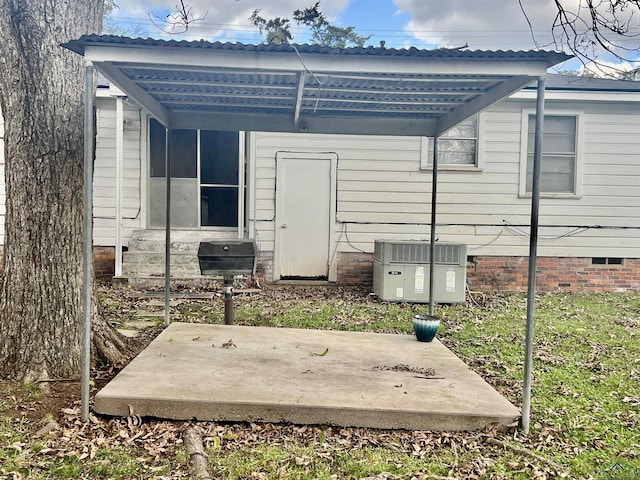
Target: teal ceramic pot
425,327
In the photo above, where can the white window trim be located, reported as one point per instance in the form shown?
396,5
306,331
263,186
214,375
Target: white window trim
425,160
524,132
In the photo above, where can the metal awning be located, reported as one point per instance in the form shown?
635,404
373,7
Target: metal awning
306,88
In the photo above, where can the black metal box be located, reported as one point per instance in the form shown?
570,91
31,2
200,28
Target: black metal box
227,257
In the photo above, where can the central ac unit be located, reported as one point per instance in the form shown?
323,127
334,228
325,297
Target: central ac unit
401,271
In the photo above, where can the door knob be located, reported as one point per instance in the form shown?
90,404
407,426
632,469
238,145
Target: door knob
284,225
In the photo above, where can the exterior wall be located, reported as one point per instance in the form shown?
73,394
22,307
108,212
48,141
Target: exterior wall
501,273
355,268
264,266
383,193
104,189
104,261
568,274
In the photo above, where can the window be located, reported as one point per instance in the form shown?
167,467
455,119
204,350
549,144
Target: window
457,147
219,153
207,166
559,162
184,153
606,261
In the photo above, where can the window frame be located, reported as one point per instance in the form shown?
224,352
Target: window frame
426,144
241,186
524,139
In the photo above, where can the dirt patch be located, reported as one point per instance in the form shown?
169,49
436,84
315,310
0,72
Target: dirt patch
33,403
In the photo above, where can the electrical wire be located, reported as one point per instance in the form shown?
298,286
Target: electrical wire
335,247
346,235
219,28
488,243
518,231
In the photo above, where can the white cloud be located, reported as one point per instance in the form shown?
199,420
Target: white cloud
224,20
482,24
606,69
502,24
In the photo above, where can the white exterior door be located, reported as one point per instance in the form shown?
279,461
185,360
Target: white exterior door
305,215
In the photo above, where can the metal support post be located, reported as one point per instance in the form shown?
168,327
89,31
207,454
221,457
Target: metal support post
432,246
533,253
87,257
119,169
167,229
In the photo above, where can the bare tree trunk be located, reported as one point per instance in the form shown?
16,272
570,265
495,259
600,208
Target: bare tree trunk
41,95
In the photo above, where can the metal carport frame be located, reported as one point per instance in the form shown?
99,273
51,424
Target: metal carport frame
307,89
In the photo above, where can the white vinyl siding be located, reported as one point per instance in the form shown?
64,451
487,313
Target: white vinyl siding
384,194
104,178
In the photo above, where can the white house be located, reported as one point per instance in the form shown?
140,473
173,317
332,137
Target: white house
344,192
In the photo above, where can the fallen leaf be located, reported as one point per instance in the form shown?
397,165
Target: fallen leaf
323,354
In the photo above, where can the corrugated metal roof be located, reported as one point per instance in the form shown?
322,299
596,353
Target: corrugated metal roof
308,87
79,45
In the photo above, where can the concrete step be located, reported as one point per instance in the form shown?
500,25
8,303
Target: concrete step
183,235
142,281
155,258
139,269
157,246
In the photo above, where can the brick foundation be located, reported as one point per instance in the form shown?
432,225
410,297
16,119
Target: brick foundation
264,267
355,268
564,274
104,261
493,273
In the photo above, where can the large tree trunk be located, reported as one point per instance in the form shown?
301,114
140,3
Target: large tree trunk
41,95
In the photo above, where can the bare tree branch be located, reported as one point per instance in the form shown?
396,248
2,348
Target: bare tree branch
178,21
526,17
597,28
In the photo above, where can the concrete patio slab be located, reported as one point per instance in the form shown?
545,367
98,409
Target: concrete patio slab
240,373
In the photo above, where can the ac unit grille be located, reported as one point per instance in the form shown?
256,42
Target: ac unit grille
421,253
410,253
418,252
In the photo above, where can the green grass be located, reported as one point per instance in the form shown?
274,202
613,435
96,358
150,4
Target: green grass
585,404
317,462
585,412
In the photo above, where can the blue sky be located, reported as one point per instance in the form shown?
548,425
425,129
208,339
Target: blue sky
480,24
380,19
